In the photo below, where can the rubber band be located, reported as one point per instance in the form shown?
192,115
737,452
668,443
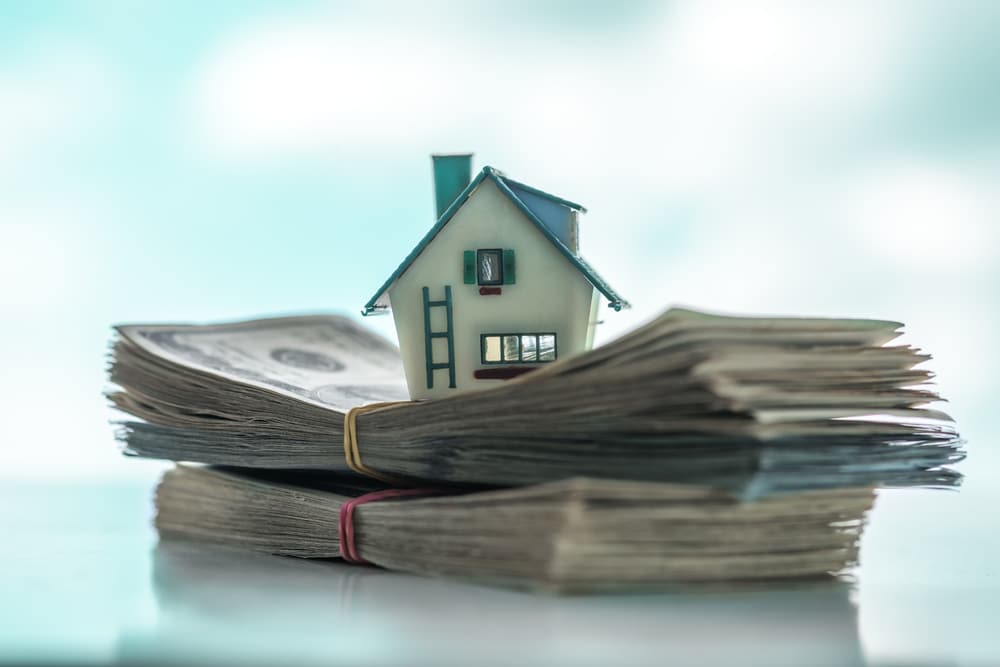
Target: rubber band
351,452
345,522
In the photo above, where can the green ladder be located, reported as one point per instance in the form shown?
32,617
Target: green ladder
429,337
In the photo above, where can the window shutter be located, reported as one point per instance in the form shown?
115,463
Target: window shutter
470,267
508,267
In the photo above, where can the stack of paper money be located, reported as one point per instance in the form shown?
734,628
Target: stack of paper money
771,411
574,535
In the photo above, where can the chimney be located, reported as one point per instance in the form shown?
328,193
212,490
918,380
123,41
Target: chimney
452,174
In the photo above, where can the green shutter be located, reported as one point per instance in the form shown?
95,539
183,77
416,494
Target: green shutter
508,267
470,267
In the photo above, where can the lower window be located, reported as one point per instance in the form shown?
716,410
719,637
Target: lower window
524,348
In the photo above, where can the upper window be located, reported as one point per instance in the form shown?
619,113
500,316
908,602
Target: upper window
489,267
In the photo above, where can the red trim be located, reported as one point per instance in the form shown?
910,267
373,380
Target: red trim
504,373
489,291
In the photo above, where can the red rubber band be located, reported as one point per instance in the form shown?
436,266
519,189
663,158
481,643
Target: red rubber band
345,524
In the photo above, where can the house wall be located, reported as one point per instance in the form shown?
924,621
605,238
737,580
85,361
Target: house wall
550,294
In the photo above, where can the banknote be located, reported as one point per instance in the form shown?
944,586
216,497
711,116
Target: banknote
689,396
327,361
576,535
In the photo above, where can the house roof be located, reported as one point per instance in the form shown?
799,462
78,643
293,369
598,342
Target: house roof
508,187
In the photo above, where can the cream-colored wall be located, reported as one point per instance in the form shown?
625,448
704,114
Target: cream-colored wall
550,294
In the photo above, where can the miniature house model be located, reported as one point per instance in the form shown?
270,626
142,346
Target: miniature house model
496,287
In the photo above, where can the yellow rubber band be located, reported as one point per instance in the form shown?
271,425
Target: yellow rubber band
351,452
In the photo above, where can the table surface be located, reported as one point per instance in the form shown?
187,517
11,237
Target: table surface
85,580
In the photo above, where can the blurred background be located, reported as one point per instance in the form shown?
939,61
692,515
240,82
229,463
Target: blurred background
200,161
189,161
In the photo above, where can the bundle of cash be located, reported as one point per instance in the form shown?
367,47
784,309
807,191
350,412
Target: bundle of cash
698,449
574,535
689,397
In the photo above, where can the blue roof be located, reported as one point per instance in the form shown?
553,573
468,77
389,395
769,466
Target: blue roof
548,213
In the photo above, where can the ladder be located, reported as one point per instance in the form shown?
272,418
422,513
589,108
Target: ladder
429,337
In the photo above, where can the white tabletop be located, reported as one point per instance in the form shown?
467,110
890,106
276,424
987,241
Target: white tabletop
84,580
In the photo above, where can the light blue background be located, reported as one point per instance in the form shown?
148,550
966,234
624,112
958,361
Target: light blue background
201,161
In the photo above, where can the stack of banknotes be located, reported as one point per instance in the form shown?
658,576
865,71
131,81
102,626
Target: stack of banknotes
696,450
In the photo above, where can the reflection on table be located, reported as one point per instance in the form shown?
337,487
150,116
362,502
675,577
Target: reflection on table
225,605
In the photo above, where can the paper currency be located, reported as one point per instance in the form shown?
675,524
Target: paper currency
689,397
574,535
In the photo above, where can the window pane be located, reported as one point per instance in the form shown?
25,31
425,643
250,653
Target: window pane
511,351
547,347
491,349
529,345
489,267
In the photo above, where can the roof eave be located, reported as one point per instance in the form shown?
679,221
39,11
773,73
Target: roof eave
615,300
547,195
372,306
